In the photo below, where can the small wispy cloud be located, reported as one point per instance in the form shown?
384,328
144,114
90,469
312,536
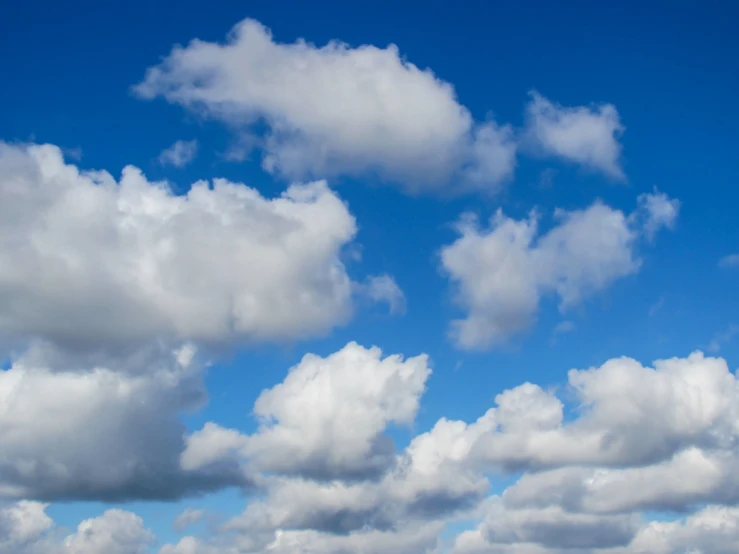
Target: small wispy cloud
657,306
732,260
383,288
179,154
187,519
725,336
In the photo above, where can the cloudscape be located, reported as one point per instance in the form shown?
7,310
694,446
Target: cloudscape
388,278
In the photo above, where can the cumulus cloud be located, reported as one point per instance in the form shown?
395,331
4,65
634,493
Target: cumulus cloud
502,271
588,136
87,262
640,439
337,110
23,526
327,418
99,433
181,153
115,532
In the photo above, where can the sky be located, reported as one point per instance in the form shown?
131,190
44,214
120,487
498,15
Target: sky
337,278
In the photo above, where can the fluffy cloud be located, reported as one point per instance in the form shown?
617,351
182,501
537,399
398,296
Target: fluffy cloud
641,439
327,418
115,532
88,262
23,526
336,110
181,153
99,433
501,272
584,135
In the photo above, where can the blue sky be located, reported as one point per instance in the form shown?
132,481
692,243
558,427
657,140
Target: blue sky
603,136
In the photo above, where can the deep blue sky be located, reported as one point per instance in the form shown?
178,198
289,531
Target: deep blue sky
670,68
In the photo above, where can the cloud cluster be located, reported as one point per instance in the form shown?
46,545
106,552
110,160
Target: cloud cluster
342,110
642,440
336,110
503,270
112,290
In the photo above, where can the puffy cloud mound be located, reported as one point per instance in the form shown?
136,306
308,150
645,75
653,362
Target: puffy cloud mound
87,262
326,419
99,433
502,271
337,110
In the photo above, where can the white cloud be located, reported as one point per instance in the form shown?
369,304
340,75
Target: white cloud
88,262
640,439
723,337
588,136
327,417
337,110
658,211
181,153
501,272
115,532
22,525
383,288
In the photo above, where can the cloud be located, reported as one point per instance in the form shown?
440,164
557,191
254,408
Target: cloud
639,439
326,419
501,272
723,337
181,153
730,260
96,433
337,110
88,263
115,532
187,518
587,136
383,288
658,211
22,525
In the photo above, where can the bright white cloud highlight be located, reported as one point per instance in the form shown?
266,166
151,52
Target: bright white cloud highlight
327,417
88,262
588,136
337,110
